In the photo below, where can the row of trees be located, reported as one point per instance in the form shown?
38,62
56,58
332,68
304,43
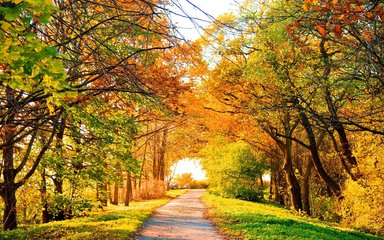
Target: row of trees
88,95
301,81
94,96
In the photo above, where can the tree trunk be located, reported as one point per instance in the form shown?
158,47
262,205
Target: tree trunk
9,188
306,178
161,159
332,184
116,195
276,194
46,215
347,154
9,197
58,180
155,165
128,193
293,185
109,189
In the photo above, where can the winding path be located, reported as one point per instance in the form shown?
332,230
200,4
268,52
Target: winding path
181,218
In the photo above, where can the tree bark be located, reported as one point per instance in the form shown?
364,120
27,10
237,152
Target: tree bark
261,181
116,194
128,193
9,197
349,160
46,215
293,185
331,183
58,179
161,159
305,188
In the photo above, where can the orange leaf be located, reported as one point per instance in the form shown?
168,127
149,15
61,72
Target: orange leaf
338,30
289,29
367,37
306,6
322,31
99,9
370,15
359,9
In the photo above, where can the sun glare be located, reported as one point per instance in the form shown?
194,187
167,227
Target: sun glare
189,166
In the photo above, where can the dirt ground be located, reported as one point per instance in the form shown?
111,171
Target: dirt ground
181,218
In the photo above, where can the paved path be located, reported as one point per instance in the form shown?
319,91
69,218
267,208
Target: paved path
181,218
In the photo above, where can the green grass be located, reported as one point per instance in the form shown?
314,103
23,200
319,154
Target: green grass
246,220
113,222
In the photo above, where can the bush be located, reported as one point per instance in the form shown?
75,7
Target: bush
203,184
150,189
71,207
232,170
249,194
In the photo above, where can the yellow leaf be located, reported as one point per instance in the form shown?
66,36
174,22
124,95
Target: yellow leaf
50,105
17,1
5,26
306,6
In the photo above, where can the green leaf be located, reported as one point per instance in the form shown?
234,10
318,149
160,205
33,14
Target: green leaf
28,68
29,36
12,14
45,18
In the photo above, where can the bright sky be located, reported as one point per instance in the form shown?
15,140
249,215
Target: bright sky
212,7
189,166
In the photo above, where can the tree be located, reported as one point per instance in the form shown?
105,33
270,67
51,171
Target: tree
88,50
31,79
184,179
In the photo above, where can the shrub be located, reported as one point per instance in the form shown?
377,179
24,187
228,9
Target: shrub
232,170
150,189
71,207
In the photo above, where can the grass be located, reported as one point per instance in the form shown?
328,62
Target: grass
113,222
247,220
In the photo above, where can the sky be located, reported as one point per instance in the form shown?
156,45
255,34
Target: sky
212,7
189,166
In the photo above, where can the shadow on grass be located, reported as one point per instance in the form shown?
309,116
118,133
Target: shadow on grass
118,225
260,226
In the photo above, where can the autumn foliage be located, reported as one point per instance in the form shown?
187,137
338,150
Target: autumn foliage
282,100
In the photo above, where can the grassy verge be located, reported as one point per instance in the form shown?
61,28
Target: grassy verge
114,222
246,220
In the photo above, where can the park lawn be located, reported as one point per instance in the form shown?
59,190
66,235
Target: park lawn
113,222
247,220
